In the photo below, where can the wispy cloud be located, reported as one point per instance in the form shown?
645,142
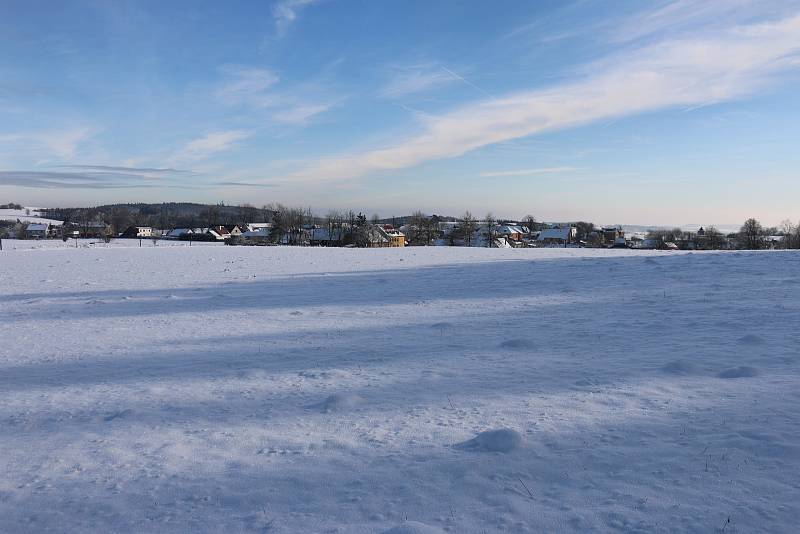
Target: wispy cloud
145,170
62,144
256,88
300,114
210,144
245,85
98,177
528,172
73,180
686,15
242,184
285,13
725,65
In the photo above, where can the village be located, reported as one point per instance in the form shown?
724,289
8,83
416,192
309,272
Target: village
291,226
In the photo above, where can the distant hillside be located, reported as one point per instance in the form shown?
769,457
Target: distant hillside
25,214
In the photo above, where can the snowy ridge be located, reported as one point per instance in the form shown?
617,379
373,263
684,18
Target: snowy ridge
281,389
26,215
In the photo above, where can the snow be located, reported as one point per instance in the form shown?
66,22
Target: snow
281,389
26,215
501,440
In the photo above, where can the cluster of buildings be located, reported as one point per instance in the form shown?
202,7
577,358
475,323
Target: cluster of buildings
369,235
264,234
506,234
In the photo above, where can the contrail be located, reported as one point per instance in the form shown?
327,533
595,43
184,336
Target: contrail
453,74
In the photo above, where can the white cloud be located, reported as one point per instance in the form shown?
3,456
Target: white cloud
527,172
254,88
246,86
300,114
729,65
686,15
62,144
285,13
210,144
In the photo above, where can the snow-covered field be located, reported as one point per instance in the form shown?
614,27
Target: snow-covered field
26,215
238,389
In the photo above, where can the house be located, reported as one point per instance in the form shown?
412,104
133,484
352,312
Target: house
376,237
611,234
324,237
138,231
233,230
93,229
177,233
483,235
37,231
511,232
557,236
256,237
220,232
255,227
396,237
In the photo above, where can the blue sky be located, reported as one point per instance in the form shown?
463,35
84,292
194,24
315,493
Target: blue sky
662,112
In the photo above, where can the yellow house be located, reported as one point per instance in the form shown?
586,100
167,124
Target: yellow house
396,237
386,236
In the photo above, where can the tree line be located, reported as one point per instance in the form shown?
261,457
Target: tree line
349,227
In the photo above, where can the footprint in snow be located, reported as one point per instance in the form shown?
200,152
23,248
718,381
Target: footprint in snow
338,402
679,367
500,440
739,372
117,415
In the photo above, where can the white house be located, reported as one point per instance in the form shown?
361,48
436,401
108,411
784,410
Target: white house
138,231
256,227
557,236
176,233
37,230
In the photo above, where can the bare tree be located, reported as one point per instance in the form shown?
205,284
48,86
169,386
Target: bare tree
751,235
797,236
530,222
714,238
468,226
334,223
490,222
789,232
416,227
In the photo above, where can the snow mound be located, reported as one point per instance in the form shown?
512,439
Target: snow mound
500,440
517,344
338,402
413,527
679,367
739,372
751,339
